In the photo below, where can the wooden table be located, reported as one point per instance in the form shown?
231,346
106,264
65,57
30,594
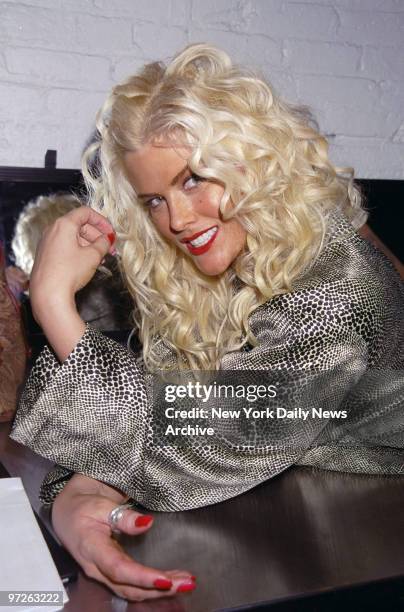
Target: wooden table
302,533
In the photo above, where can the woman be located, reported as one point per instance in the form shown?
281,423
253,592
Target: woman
236,236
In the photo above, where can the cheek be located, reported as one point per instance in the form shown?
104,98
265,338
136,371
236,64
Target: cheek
207,203
238,236
161,223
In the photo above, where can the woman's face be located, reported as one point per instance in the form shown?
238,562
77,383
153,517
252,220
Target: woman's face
184,207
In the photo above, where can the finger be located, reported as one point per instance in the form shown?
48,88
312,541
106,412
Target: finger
119,568
101,246
134,593
128,520
132,522
84,214
88,234
131,593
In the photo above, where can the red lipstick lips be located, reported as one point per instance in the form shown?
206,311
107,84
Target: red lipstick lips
200,250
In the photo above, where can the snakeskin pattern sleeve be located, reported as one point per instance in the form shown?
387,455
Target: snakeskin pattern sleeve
338,336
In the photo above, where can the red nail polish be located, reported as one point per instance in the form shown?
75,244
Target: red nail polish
111,237
184,588
163,584
144,520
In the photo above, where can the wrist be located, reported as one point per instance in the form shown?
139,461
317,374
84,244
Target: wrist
61,324
84,485
57,305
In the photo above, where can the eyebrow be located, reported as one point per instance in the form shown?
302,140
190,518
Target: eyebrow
173,182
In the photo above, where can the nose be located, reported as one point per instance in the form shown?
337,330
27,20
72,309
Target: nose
182,214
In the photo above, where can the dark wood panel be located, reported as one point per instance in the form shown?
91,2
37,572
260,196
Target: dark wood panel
16,174
384,200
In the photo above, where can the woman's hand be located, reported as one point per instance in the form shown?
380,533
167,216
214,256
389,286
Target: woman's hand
66,259
69,253
80,519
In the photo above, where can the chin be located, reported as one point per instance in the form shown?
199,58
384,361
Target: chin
212,272
214,269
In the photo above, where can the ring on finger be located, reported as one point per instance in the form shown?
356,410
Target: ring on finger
115,516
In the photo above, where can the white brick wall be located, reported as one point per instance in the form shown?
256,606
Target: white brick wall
344,58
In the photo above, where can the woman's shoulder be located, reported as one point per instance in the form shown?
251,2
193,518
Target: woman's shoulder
351,285
348,259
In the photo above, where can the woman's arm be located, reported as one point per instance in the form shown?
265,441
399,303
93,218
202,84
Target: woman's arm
66,260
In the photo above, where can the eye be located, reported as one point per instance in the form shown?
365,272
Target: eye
192,181
154,203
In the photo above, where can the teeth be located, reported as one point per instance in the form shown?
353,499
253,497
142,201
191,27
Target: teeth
204,238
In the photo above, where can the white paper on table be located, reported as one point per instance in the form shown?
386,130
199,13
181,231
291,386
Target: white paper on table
25,561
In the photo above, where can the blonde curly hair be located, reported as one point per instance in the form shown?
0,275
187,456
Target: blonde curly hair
274,166
34,218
